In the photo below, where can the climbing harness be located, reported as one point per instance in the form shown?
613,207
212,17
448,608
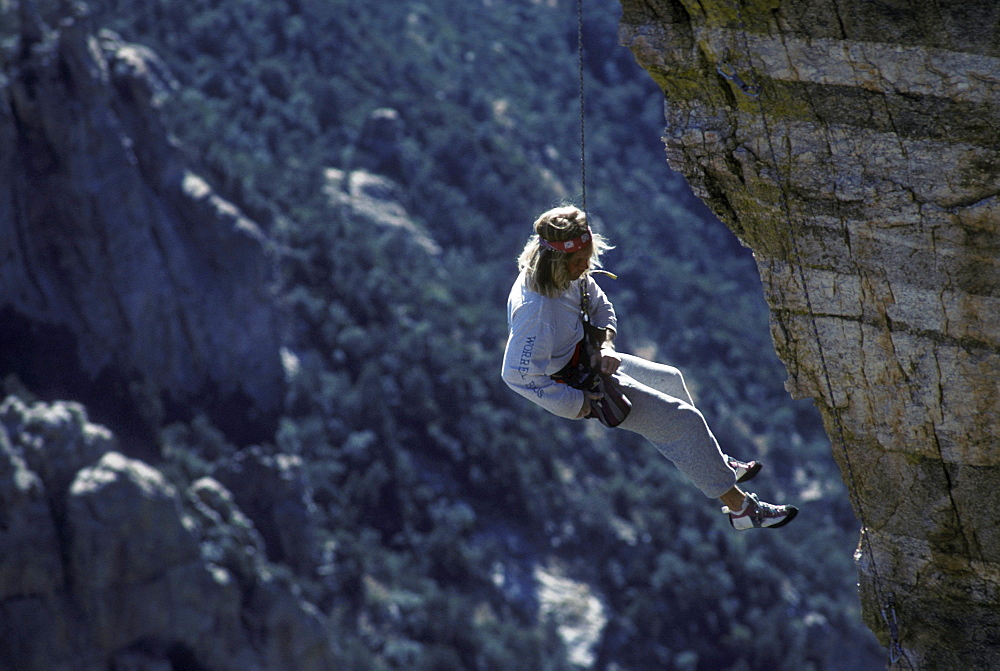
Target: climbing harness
888,610
609,405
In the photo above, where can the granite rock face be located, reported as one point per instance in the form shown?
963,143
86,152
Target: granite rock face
117,264
105,565
855,147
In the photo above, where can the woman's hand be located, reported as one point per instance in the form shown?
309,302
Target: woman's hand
588,396
607,359
610,360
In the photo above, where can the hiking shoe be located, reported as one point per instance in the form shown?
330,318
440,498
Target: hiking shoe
756,513
744,469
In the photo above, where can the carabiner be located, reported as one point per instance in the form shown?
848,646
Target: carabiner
729,72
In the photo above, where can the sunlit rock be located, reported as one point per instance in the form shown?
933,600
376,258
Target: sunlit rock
854,147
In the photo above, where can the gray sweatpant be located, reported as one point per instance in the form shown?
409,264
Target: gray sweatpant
664,414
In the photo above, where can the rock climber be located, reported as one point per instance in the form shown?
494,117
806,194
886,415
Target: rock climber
548,310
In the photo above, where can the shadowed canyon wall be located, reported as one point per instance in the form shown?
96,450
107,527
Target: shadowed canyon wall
112,253
853,145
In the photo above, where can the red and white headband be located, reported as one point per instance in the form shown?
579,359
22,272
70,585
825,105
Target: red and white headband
567,246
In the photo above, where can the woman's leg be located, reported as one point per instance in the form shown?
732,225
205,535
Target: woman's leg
678,430
663,413
661,377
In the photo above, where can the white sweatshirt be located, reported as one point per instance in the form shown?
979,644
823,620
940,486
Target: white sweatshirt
543,334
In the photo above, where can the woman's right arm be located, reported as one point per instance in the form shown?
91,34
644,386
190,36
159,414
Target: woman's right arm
528,354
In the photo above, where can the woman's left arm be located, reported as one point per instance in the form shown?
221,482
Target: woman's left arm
602,312
608,356
602,316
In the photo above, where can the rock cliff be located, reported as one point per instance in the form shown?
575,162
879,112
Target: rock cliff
104,564
125,280
853,145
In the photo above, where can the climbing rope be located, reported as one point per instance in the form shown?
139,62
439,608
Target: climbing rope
886,601
583,131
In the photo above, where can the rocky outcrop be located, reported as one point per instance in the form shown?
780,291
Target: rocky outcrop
854,146
377,201
105,565
274,492
116,262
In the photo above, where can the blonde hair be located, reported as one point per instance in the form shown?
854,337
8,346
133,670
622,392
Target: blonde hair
548,270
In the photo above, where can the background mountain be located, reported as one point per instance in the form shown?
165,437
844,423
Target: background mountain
267,246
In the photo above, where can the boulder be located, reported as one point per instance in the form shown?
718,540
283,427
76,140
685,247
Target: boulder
274,492
115,567
29,544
